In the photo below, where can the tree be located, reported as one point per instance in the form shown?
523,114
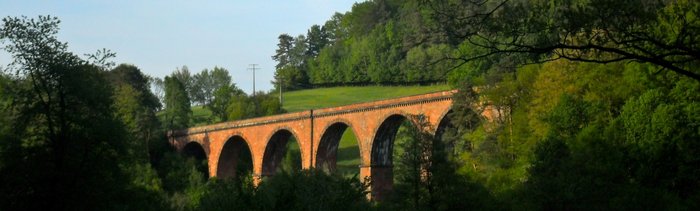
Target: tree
291,70
126,74
311,190
365,16
66,144
158,89
177,104
136,106
662,33
240,107
262,104
207,82
426,177
6,85
283,48
290,78
183,75
298,53
222,99
660,128
316,40
334,30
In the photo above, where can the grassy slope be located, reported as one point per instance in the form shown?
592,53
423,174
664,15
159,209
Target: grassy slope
348,153
202,116
337,96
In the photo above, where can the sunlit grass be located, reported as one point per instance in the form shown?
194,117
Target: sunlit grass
338,96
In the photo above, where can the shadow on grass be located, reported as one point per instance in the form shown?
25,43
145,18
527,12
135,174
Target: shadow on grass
348,163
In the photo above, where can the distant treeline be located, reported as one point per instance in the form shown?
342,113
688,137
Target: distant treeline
377,42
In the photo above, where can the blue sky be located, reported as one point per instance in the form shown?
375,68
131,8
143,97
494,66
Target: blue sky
159,36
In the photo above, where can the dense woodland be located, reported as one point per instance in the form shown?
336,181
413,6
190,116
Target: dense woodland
598,107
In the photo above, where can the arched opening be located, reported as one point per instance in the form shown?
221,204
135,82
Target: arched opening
446,132
282,153
235,159
453,125
338,151
196,151
444,125
382,172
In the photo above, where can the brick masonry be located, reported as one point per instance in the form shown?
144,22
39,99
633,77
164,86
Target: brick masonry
264,136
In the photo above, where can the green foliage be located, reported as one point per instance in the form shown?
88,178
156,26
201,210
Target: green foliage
311,190
177,104
560,135
282,54
50,154
368,45
6,98
262,104
292,159
184,76
660,127
136,107
426,177
222,99
290,78
207,82
229,194
240,108
291,57
184,179
660,33
299,190
578,136
425,63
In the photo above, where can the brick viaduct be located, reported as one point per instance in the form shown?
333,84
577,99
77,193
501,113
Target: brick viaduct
318,133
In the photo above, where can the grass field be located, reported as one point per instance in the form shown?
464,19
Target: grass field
337,96
202,116
348,160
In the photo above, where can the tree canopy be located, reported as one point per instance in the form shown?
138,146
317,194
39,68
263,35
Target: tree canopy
662,33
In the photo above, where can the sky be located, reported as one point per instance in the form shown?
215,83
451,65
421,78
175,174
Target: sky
160,36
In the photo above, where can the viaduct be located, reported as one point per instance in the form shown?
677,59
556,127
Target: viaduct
318,134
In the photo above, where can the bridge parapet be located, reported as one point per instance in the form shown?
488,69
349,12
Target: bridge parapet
242,123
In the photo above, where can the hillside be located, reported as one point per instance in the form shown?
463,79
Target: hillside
337,96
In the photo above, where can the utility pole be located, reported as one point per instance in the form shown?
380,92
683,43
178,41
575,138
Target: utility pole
252,67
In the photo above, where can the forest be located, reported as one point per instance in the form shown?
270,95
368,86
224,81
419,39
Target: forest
598,108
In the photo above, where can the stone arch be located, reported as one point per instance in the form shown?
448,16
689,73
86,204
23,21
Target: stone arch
235,158
195,149
381,158
384,136
275,150
444,122
327,151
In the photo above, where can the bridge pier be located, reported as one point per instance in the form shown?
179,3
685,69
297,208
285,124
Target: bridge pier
381,178
257,179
